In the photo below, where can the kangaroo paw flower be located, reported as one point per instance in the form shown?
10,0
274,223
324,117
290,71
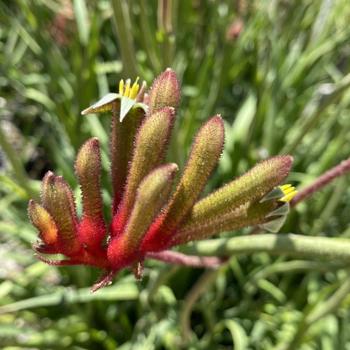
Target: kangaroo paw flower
150,211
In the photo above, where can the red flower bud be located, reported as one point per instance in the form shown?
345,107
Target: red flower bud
151,195
92,228
149,149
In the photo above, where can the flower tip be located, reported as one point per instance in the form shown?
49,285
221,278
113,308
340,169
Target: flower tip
216,123
49,174
218,119
43,221
93,142
165,90
48,178
173,167
171,110
289,159
287,162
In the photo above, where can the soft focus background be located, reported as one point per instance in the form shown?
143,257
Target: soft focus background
278,72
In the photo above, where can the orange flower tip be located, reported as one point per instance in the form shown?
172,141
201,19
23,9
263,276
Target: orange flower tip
43,221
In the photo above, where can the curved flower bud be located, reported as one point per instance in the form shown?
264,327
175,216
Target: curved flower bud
57,199
203,158
165,91
152,193
269,213
247,188
245,215
43,221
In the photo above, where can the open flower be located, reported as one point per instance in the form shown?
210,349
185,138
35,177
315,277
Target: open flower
129,97
151,212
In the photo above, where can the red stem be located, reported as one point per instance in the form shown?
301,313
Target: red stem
171,257
323,180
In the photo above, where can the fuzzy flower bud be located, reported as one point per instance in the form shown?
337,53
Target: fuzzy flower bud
150,214
92,228
149,149
152,194
165,91
203,158
57,199
43,221
247,188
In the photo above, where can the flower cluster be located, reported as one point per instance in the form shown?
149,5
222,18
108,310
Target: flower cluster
151,211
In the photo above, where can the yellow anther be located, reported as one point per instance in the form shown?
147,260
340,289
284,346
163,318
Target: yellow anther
134,89
289,192
127,88
121,87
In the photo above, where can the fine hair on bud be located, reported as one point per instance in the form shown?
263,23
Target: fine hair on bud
203,158
165,91
249,187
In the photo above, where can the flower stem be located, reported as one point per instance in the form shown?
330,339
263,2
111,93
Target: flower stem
171,257
337,171
289,244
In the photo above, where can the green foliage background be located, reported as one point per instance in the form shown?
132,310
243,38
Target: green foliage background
281,84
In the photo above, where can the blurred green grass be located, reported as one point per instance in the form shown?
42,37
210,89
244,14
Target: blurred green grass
277,71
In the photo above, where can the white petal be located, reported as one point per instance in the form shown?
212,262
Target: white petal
103,102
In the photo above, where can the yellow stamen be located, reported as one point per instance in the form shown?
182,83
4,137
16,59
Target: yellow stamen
127,88
134,89
121,87
285,187
289,192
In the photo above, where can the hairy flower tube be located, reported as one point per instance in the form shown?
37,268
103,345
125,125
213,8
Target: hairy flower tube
154,207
